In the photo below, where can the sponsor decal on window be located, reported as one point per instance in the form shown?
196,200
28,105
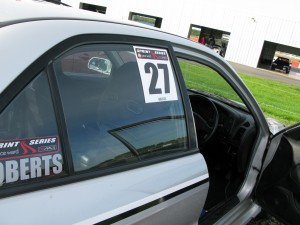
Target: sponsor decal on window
156,74
24,159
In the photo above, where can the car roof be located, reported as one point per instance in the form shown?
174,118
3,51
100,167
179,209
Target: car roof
29,10
24,23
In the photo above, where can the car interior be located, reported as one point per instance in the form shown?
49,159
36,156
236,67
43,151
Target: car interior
226,133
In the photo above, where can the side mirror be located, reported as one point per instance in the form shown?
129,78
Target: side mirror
100,65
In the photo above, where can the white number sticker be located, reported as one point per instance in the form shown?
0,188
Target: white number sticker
156,74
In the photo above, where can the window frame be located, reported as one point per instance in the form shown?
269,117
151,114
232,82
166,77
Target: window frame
231,77
212,66
45,63
225,72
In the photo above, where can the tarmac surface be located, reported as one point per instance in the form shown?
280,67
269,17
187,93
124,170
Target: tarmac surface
293,78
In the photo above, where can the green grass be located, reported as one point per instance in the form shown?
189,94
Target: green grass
277,100
203,78
195,32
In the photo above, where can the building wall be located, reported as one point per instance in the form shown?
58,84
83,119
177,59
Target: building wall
249,23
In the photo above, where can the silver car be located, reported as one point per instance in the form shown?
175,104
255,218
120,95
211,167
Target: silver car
111,122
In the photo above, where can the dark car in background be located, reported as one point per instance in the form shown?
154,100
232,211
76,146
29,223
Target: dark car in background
282,64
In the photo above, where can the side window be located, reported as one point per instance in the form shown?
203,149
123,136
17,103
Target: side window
112,116
29,142
203,78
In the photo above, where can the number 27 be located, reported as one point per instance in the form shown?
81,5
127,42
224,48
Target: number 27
152,88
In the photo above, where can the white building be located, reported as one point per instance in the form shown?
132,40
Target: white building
257,28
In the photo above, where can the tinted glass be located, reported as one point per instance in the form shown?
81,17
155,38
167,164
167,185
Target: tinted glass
29,142
203,78
123,114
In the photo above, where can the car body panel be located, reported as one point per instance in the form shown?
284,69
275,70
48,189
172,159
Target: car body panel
109,196
175,211
149,193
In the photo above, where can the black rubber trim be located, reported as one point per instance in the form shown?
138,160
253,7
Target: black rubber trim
191,132
232,79
60,120
150,204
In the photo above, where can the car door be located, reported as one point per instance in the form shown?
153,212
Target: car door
278,190
130,115
117,156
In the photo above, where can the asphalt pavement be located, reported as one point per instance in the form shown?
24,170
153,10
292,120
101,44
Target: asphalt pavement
293,78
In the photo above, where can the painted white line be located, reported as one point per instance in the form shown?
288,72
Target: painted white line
279,109
270,87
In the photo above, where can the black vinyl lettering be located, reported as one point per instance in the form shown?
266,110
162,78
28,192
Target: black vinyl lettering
166,76
152,88
154,78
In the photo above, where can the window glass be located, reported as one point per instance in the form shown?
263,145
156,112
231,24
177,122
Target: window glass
203,78
29,142
130,113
